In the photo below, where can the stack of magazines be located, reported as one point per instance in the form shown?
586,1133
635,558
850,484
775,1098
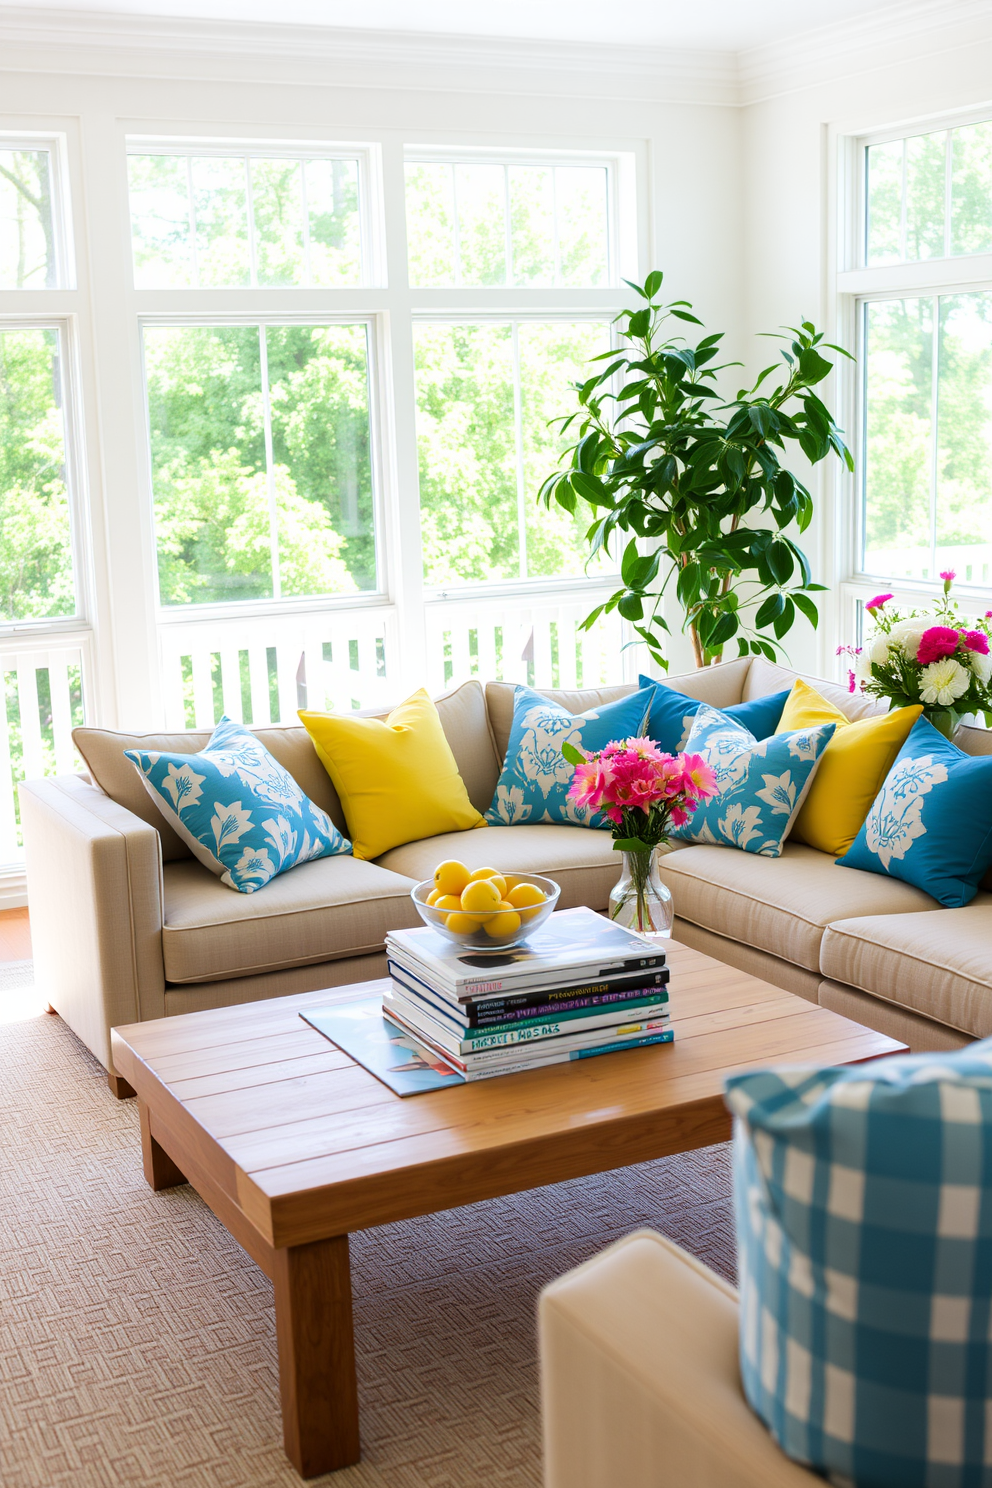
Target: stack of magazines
580,986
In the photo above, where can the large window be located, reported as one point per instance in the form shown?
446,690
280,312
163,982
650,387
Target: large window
923,300
260,461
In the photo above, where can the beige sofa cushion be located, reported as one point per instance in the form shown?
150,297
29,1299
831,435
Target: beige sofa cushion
463,718
766,676
936,964
580,860
781,904
719,686
499,704
316,912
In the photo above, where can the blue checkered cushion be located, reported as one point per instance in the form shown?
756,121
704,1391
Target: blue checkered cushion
864,1221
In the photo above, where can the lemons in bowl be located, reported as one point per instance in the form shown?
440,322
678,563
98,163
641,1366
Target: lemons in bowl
483,907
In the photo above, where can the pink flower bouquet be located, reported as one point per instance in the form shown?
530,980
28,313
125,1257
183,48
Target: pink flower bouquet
643,792
941,660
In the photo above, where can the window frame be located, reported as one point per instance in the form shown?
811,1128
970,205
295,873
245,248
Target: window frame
65,253
610,161
249,147
250,608
66,329
856,284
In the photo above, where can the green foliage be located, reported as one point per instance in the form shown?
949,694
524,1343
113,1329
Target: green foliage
35,551
689,477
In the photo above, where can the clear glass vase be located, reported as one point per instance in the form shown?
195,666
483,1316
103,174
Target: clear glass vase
640,900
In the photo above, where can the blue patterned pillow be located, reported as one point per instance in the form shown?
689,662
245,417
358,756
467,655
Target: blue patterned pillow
672,712
863,1201
760,784
534,784
237,809
931,823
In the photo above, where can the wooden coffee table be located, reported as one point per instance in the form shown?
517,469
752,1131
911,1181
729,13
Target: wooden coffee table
293,1145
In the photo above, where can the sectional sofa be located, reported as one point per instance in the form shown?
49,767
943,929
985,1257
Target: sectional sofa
127,925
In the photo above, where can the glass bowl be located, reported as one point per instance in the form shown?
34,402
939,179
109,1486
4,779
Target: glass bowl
499,931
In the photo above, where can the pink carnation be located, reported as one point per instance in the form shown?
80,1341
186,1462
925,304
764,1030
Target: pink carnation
852,681
976,640
948,575
936,643
877,602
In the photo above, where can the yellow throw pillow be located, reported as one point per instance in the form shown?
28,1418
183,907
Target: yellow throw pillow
397,778
852,768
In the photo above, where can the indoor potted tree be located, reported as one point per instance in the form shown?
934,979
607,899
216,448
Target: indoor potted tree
660,456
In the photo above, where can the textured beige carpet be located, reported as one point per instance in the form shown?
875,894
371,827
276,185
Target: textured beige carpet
137,1340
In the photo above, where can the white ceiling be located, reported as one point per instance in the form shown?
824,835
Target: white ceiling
724,25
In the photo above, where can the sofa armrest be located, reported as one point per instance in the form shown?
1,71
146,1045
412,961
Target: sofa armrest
640,1382
94,873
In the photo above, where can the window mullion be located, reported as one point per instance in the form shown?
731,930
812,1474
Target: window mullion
252,245
270,475
518,439
934,424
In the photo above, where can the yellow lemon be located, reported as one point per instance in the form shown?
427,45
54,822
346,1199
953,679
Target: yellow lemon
480,897
503,926
447,903
492,873
527,898
433,896
450,876
462,924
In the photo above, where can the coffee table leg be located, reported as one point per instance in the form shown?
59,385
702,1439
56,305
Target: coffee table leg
160,1170
317,1356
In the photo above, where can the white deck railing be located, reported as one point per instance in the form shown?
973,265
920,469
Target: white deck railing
261,670
43,688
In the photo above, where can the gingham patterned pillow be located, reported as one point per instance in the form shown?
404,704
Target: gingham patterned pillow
864,1225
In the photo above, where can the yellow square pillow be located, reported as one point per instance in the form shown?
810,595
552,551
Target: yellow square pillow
397,778
851,769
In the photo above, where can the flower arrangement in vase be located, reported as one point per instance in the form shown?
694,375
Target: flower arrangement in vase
939,658
643,792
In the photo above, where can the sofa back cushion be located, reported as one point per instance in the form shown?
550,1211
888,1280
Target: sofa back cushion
767,676
499,705
463,718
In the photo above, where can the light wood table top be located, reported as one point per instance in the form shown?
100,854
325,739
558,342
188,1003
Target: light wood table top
294,1145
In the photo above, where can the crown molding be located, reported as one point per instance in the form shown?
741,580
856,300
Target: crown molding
82,42
874,42
34,39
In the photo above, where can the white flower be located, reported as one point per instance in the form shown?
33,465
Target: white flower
878,649
862,666
943,682
228,823
740,825
183,786
981,665
907,635
780,793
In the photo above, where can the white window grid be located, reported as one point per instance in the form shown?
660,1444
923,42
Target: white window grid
858,285
65,257
507,159
367,598
246,150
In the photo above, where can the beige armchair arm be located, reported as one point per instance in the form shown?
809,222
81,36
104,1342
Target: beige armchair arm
640,1382
94,874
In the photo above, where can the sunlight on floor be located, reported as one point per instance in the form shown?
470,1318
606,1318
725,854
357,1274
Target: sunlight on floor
21,1003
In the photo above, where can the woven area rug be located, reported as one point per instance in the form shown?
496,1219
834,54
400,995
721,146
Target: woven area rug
137,1339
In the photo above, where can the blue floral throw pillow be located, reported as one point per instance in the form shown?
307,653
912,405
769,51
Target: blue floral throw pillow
534,784
237,809
931,823
672,712
760,784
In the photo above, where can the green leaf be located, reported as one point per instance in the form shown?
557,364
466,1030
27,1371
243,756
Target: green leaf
806,605
573,755
631,607
770,610
781,562
653,283
632,844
